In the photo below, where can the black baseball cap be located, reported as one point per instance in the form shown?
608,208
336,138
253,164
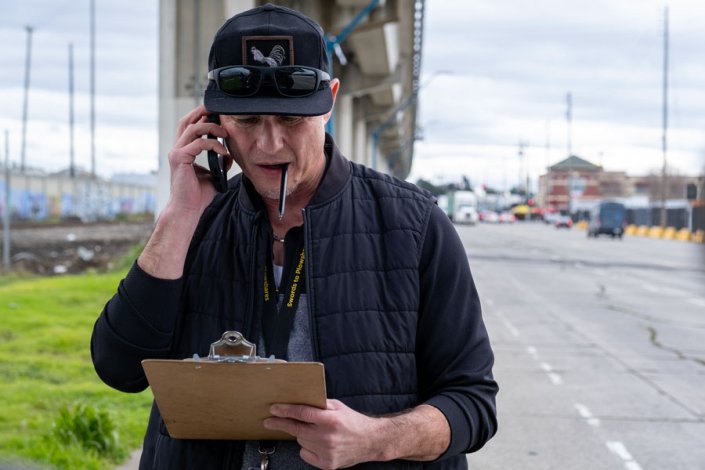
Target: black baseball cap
269,36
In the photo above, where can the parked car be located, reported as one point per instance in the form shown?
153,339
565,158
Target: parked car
489,217
563,221
607,218
507,218
551,217
466,215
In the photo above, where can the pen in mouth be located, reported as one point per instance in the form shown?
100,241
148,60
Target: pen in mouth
282,190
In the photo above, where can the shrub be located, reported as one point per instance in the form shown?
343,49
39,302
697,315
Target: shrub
89,428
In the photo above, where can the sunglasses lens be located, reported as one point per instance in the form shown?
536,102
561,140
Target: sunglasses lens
296,81
239,81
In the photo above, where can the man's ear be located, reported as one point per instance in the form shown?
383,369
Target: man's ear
334,87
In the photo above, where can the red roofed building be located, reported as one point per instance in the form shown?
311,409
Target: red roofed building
569,179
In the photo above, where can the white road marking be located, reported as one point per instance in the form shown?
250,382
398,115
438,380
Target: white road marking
555,378
619,449
532,352
585,413
583,410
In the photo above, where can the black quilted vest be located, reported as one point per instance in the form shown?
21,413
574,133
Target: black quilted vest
363,237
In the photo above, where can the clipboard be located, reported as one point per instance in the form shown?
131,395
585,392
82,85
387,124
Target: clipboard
227,396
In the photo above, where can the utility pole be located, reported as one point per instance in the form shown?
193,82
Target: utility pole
522,164
7,208
664,116
547,178
72,170
92,38
569,123
25,106
548,142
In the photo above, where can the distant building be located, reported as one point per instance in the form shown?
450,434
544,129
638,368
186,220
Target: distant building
569,179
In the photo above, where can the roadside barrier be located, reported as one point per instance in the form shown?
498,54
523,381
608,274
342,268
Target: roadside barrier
655,232
668,233
683,235
642,231
698,237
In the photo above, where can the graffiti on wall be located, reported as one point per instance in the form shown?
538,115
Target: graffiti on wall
89,201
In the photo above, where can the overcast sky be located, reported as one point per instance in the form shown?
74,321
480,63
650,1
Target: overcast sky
512,64
495,73
126,82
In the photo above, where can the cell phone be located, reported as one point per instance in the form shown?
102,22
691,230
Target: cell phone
215,162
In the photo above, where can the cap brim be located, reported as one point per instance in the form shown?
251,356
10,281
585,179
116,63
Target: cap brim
316,104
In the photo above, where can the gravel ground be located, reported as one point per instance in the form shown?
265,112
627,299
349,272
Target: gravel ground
73,248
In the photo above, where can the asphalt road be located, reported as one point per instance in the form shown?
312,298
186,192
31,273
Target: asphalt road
600,348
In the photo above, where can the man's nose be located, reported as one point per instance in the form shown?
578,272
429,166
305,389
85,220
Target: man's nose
271,139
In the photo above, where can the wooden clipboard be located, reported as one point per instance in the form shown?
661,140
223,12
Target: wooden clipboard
204,399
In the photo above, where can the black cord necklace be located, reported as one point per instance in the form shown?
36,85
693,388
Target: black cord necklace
277,238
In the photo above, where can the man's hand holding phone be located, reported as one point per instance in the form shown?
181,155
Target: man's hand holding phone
192,187
192,191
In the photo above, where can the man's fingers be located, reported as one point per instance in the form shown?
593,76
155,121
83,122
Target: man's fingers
307,414
188,153
192,117
289,426
197,131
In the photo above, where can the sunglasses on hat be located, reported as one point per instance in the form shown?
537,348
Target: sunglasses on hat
292,81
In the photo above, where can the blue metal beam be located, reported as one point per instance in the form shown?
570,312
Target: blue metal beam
333,41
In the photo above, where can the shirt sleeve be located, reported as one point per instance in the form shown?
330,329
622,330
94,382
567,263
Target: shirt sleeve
137,323
453,349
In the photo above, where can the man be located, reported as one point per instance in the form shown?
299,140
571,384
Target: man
387,301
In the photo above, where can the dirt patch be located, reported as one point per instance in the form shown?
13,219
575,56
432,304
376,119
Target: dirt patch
73,248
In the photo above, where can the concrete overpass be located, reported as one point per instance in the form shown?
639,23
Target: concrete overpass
376,53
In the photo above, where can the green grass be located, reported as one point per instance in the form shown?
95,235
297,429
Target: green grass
45,365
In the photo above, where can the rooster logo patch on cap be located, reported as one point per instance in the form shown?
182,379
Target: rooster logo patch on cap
268,51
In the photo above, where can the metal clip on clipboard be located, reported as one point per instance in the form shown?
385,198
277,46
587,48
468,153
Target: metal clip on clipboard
233,347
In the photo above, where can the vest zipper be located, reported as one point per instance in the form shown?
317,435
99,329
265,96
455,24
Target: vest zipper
248,321
309,289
